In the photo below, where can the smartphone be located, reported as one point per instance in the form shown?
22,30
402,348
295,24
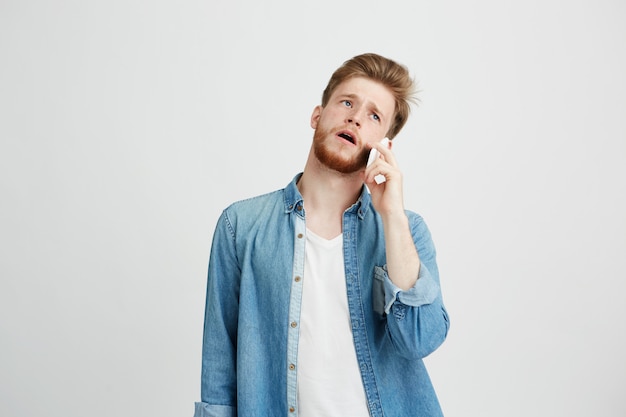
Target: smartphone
372,157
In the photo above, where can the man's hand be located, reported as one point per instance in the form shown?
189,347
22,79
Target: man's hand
387,196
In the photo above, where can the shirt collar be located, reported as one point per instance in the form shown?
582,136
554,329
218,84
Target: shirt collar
293,199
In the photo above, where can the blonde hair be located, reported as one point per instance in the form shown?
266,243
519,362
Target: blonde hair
389,73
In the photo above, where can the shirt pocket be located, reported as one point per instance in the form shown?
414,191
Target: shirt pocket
378,290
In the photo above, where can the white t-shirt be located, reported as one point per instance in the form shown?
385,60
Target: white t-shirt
329,380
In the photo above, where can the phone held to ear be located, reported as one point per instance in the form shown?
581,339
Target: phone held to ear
375,154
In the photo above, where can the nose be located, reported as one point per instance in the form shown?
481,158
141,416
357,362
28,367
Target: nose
356,122
354,117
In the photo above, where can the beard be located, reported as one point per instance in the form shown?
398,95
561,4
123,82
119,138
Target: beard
333,160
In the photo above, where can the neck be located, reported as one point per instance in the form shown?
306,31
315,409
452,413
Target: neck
327,194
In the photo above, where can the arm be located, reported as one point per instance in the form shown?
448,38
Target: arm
219,377
417,321
403,262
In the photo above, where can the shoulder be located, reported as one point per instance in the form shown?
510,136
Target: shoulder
419,228
420,231
255,206
265,205
415,220
248,214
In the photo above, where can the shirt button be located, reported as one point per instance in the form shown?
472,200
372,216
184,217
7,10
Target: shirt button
292,366
299,235
299,207
294,324
292,409
297,279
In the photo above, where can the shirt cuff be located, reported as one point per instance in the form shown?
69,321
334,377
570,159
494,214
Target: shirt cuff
210,410
423,292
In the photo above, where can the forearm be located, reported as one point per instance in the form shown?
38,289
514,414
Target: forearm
403,262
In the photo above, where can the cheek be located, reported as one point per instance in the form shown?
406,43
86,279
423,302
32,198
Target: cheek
335,112
385,129
380,130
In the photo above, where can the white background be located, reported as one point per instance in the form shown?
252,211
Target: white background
127,126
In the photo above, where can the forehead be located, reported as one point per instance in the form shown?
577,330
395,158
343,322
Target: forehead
367,90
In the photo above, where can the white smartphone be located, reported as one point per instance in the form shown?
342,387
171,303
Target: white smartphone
374,152
372,157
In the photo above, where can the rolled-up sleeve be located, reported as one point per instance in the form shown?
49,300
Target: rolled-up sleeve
425,291
208,410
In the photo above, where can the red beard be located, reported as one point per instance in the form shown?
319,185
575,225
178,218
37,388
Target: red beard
334,160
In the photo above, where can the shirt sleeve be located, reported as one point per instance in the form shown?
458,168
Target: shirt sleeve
208,410
219,378
424,291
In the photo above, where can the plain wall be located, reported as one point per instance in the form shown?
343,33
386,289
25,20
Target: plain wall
127,126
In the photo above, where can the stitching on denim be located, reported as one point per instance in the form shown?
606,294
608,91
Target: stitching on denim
399,311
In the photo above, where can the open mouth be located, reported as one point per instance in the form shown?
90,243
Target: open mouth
347,137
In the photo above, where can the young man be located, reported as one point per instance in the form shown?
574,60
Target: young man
323,297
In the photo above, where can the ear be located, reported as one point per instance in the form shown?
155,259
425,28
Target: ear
315,117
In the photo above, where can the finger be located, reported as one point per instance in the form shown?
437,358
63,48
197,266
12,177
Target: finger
378,172
386,154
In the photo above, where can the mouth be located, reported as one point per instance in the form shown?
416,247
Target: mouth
348,136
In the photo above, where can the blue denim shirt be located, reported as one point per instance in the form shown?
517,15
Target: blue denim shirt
254,292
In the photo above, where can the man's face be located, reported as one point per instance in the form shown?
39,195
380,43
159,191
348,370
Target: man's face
359,112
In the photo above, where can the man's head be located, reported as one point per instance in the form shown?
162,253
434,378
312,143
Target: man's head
392,75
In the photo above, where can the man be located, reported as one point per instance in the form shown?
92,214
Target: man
323,297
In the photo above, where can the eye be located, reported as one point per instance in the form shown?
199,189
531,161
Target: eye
375,117
347,103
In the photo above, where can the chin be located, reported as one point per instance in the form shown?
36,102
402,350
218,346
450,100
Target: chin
337,162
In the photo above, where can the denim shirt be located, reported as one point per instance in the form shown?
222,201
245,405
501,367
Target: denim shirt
254,293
